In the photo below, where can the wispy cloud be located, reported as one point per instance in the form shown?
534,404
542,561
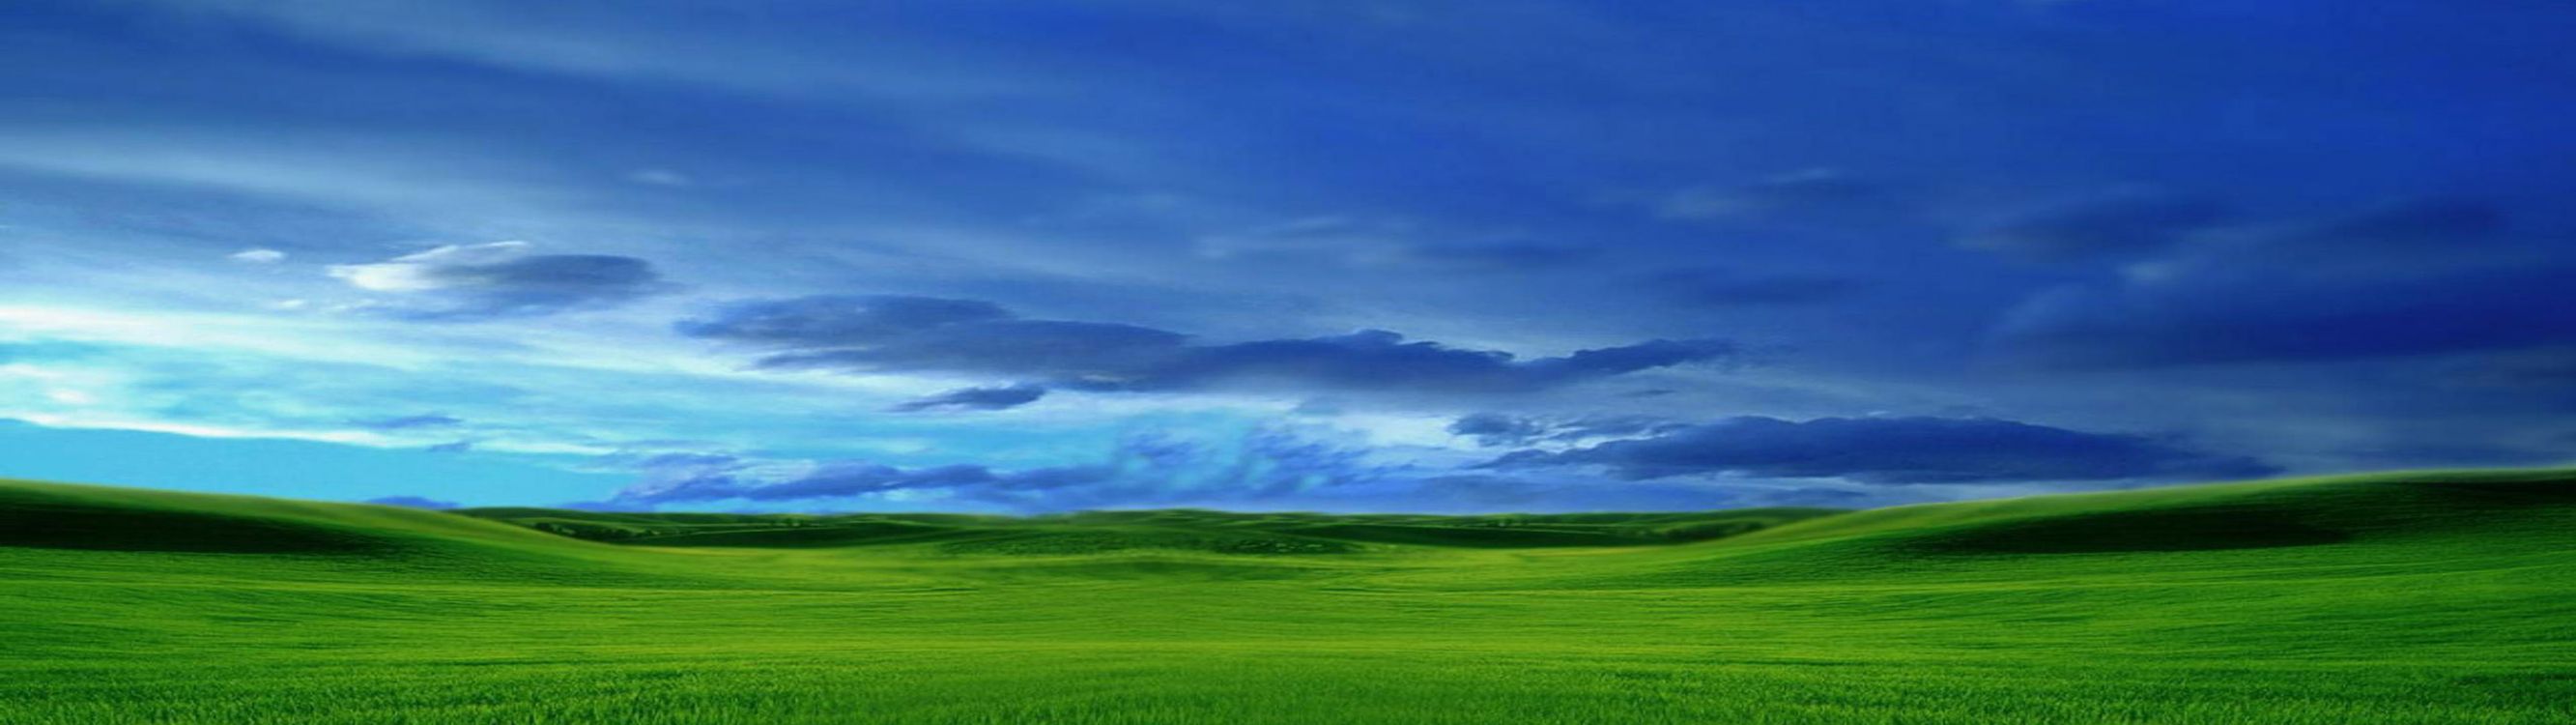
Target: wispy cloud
969,336
1011,396
501,279
1895,451
257,256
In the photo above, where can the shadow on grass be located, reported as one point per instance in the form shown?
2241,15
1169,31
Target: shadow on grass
68,525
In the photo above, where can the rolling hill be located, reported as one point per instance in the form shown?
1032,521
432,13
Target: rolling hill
2425,597
1166,529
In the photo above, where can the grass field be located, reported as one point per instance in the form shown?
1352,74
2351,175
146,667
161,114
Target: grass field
2413,598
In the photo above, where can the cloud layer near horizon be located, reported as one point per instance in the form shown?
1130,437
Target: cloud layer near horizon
1894,451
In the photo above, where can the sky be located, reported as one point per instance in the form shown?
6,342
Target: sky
1506,255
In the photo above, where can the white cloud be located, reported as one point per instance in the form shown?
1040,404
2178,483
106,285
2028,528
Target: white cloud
660,177
257,256
416,272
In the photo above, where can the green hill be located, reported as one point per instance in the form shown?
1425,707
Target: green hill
1218,531
2431,597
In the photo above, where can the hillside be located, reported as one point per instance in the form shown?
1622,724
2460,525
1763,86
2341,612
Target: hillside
1164,529
2433,597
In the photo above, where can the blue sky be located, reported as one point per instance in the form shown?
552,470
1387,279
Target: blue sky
1356,256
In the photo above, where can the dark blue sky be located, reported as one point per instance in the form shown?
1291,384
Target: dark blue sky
1368,256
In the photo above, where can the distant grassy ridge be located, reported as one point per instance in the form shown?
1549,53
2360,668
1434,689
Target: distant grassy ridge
53,515
2417,597
2210,517
1189,529
2258,514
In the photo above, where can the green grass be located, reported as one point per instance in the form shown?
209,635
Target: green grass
2412,598
1220,531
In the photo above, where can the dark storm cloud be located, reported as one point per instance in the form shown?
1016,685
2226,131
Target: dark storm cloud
1894,451
963,336
2126,225
1000,398
2421,278
499,280
417,502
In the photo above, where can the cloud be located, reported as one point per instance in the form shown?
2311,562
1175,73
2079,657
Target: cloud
1339,237
257,256
918,334
829,320
1483,492
1806,192
660,177
682,477
852,478
2550,369
413,502
407,422
1393,243
1612,426
1497,429
1258,465
2119,226
1000,398
1893,451
2388,282
500,279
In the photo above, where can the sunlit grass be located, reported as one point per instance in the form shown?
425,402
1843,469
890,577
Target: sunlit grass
2419,599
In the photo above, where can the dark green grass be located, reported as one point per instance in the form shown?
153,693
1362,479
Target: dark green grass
2406,598
1219,531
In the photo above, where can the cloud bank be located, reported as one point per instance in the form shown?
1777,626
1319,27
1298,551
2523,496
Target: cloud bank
924,334
1893,451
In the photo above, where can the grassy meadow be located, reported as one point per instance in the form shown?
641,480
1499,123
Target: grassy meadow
2436,597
